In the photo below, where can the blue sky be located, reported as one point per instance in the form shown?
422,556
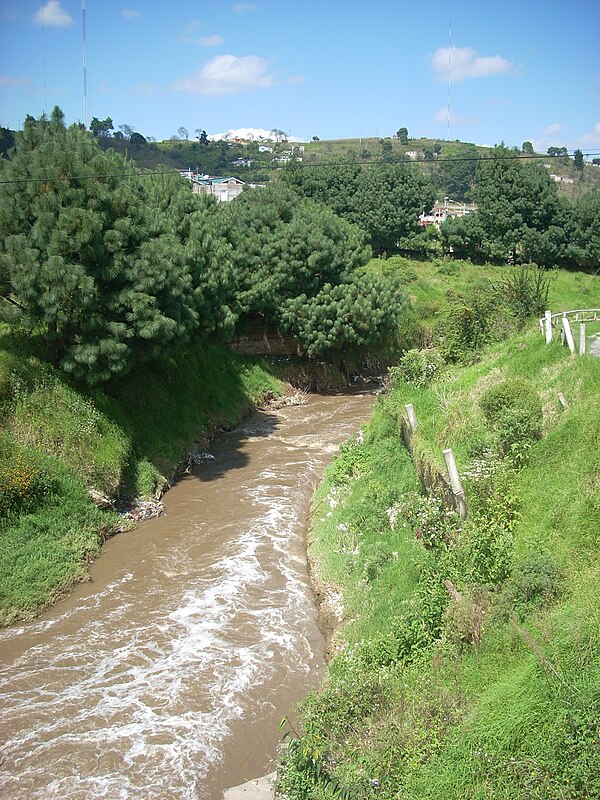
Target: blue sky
526,70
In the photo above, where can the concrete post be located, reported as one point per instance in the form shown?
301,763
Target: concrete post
459,492
582,338
568,333
548,317
563,400
412,417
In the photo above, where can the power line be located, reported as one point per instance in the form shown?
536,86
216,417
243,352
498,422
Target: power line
298,164
141,174
444,160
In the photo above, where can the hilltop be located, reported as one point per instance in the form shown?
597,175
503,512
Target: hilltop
238,153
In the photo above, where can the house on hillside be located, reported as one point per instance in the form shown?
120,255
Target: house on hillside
561,179
223,189
442,210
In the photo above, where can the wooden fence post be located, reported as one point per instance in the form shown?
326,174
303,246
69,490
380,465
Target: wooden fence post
459,492
582,338
568,333
548,317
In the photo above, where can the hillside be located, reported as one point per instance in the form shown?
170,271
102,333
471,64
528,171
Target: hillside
431,155
464,653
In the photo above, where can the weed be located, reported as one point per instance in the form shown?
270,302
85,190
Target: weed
418,367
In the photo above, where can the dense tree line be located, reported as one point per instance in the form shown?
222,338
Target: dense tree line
116,266
385,200
299,269
520,217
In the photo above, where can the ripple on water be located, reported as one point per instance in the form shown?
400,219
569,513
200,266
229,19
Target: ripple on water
133,691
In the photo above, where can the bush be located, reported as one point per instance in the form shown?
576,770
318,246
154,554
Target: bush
418,367
472,321
526,289
435,525
514,411
23,481
536,582
350,463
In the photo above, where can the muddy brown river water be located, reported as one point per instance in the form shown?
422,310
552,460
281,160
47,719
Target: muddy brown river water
166,676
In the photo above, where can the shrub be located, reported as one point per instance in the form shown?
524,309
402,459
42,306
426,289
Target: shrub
350,463
470,322
486,551
379,555
512,393
514,410
526,289
536,582
486,547
23,481
433,524
421,367
418,367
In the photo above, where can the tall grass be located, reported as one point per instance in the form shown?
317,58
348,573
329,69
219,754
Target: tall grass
493,691
58,443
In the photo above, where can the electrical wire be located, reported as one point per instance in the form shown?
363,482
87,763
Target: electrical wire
301,164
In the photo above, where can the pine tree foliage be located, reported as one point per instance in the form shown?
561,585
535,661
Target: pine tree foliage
361,312
297,265
116,267
521,218
113,266
385,200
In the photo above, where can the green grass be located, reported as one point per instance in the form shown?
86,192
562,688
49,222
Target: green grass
429,283
58,442
498,695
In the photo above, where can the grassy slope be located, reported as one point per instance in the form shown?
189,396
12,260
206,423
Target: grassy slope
333,150
57,442
413,707
428,284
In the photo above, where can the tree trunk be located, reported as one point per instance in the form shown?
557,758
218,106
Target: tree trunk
52,342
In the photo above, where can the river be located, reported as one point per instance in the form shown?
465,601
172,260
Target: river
165,677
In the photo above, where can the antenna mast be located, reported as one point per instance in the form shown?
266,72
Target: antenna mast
85,113
449,73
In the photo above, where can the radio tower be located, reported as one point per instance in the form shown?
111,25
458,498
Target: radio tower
449,73
85,114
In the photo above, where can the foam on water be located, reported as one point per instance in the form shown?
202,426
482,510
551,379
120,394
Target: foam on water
144,696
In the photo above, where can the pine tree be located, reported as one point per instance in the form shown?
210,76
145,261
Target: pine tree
103,260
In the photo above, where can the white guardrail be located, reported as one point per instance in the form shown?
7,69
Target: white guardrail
581,315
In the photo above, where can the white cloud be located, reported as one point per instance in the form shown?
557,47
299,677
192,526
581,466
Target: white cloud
551,130
239,8
464,62
52,15
130,13
189,36
548,138
6,82
107,89
591,139
144,88
455,117
211,41
228,75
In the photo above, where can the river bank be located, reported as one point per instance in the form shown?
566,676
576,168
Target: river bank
69,456
196,635
462,649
